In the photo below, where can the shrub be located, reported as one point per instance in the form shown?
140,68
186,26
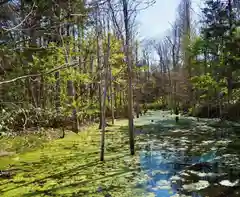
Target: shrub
156,106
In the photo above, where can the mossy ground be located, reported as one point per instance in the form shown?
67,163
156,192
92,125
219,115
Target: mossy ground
71,167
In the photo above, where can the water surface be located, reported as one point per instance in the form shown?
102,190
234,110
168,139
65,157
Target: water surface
186,159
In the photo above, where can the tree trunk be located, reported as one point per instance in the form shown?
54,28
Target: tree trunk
99,63
229,72
57,92
105,90
117,99
111,94
71,94
42,93
129,69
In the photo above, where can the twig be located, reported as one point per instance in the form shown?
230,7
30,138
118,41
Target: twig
21,21
40,74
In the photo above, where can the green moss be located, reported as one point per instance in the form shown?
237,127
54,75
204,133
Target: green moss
71,167
27,141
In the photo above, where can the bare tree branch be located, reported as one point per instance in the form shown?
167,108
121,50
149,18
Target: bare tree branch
40,74
13,28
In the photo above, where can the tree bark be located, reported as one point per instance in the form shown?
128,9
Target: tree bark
129,69
111,95
57,92
71,94
99,62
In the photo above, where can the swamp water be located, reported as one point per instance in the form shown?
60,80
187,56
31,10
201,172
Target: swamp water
187,159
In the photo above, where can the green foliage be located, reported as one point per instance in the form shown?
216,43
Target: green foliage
215,53
197,46
46,59
157,105
204,82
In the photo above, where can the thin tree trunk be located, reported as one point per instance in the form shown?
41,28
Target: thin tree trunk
112,98
105,90
100,105
57,92
103,112
115,100
129,68
99,63
33,93
42,93
229,72
120,96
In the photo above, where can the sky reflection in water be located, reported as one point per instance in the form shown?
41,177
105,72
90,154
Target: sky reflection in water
160,166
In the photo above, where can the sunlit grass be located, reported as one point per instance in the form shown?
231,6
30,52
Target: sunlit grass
71,167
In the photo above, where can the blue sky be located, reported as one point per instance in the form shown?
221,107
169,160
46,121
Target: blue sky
155,21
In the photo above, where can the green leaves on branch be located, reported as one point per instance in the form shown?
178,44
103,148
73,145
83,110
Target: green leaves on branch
204,82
